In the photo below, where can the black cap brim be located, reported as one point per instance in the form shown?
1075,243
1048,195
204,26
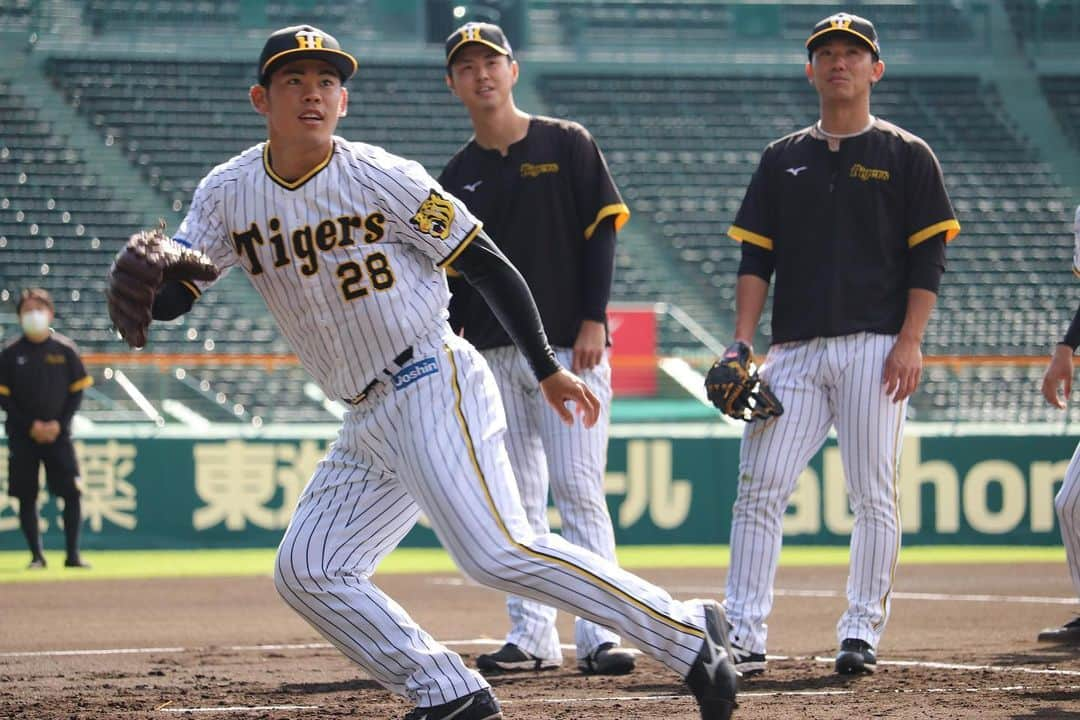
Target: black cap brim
342,61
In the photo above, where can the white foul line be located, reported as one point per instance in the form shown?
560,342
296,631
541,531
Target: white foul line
486,642
239,708
899,595
112,651
959,666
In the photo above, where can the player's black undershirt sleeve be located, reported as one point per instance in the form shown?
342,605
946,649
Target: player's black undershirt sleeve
173,299
504,290
756,260
1072,335
926,264
598,270
16,418
71,404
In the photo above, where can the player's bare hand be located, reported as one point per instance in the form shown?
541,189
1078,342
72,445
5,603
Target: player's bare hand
1058,375
564,387
589,345
903,368
42,432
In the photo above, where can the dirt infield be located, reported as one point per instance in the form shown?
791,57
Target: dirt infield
961,644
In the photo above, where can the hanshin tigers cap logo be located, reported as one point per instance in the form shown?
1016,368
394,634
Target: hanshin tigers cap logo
299,42
482,33
854,25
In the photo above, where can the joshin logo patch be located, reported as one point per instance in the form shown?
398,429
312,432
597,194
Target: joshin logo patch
409,374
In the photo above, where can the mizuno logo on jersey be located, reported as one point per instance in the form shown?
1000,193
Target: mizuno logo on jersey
795,170
409,374
434,216
471,187
864,173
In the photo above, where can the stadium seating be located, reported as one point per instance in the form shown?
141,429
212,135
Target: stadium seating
123,14
1063,94
16,14
58,227
635,23
1044,21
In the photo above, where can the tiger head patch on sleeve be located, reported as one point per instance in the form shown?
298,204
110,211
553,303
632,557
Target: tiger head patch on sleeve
434,217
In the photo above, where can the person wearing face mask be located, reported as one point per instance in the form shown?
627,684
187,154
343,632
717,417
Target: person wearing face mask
42,379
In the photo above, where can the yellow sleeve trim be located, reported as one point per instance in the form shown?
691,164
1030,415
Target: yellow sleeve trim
743,235
5,391
192,287
451,272
80,385
619,210
951,228
461,247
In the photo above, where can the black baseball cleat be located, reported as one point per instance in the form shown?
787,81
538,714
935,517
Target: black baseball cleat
712,677
38,563
747,664
855,657
481,705
1067,633
607,659
76,562
511,658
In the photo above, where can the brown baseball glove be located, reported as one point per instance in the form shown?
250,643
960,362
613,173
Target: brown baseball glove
149,259
733,386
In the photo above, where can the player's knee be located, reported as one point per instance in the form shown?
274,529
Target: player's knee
295,575
491,564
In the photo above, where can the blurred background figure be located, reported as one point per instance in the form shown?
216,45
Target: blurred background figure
42,380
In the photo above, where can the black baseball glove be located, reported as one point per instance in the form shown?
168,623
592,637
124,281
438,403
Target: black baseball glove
148,260
733,386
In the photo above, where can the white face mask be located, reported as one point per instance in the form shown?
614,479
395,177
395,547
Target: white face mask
35,322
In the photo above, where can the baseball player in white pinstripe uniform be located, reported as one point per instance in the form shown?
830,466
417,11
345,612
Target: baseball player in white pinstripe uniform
852,217
1056,388
347,245
544,193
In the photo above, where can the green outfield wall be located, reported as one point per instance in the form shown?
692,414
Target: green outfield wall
181,492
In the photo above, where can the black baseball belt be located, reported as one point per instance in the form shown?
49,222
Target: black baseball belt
399,360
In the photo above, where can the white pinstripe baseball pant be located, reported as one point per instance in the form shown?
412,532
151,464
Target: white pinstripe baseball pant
1067,507
571,460
436,445
822,383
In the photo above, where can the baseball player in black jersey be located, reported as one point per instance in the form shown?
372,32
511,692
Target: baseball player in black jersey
42,380
544,193
851,216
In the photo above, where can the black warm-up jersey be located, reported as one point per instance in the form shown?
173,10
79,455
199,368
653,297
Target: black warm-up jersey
40,381
847,233
540,204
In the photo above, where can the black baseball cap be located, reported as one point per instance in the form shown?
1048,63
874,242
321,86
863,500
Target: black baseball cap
476,32
303,41
854,25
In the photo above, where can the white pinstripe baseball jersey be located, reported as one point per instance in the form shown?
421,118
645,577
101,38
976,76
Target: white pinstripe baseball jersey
357,244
